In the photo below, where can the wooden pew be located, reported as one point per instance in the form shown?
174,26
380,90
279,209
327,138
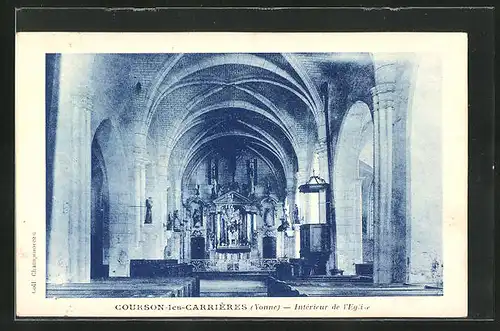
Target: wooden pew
127,288
333,287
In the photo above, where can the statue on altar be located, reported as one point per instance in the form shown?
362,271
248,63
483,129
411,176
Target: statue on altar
168,225
197,218
268,211
195,210
252,176
176,221
215,189
232,217
284,221
234,227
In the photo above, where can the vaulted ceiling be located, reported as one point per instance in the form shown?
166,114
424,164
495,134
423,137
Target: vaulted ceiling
200,103
266,102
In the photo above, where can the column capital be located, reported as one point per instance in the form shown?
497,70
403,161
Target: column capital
140,158
383,96
383,88
386,67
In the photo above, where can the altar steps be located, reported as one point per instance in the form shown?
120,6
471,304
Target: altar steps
339,279
230,288
234,275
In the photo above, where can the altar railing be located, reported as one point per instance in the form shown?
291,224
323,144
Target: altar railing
213,265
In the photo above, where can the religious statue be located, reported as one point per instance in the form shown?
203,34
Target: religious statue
215,189
232,161
212,239
234,227
269,216
232,219
213,174
169,224
252,172
284,221
149,215
197,218
267,191
176,221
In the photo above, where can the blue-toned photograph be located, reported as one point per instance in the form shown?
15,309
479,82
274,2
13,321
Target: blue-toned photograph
244,175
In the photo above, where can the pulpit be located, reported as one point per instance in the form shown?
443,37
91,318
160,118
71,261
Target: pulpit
315,247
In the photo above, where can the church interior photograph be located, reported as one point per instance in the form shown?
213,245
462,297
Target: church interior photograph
243,175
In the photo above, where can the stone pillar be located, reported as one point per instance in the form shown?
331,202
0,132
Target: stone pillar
161,189
280,244
80,232
186,244
69,231
383,103
121,238
126,237
248,220
153,234
349,241
139,180
321,150
302,198
296,243
291,191
217,229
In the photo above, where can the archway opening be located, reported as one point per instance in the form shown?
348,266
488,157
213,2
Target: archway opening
99,239
367,199
353,175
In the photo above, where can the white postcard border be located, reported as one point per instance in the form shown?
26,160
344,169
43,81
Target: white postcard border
30,169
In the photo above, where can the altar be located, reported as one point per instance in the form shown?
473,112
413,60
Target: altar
234,225
232,232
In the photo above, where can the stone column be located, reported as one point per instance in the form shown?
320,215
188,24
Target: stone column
79,242
139,180
296,242
321,150
280,244
217,229
249,227
162,199
349,241
121,238
69,229
302,198
383,103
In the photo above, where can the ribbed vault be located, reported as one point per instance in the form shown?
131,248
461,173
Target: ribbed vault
211,103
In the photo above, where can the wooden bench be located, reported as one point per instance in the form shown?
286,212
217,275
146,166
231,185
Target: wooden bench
127,288
333,287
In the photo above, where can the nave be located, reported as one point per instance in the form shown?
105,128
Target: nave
189,174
